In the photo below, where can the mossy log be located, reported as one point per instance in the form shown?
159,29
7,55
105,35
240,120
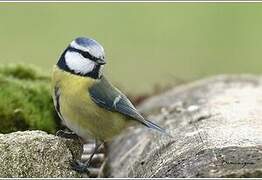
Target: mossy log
216,126
25,100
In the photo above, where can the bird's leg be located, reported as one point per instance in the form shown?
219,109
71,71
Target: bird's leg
67,134
92,155
83,167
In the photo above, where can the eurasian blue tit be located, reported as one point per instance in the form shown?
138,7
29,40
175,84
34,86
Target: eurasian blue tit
87,103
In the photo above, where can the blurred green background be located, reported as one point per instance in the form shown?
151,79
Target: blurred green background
145,43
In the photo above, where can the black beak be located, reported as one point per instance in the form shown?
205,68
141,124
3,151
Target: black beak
101,61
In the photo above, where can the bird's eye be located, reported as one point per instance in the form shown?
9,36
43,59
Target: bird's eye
89,56
84,54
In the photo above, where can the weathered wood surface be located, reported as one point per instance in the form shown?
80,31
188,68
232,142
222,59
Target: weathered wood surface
217,128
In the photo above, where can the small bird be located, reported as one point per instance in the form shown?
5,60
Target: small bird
86,102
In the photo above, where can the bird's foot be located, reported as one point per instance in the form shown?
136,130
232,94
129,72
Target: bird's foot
66,134
80,167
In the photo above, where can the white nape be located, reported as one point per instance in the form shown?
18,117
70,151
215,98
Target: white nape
95,50
78,63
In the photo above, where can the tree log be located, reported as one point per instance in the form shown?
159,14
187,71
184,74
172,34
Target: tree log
216,125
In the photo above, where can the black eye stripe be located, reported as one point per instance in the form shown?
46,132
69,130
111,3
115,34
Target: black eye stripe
83,53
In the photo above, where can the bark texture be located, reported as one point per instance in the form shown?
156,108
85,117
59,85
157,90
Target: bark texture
216,126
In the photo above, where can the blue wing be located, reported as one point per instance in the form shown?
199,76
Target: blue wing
110,98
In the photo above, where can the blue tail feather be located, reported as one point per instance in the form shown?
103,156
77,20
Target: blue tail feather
152,125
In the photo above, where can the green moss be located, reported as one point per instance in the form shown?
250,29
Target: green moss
25,100
22,71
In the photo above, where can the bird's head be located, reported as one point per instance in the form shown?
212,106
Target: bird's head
83,57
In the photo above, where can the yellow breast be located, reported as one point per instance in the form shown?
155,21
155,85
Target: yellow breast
80,113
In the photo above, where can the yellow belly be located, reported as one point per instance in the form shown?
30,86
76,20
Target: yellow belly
80,113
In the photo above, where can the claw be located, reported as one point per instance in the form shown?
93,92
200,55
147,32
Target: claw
80,167
65,134
59,133
86,166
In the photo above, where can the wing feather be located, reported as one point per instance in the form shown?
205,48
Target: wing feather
110,98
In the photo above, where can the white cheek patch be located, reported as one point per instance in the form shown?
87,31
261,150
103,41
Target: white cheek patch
78,63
